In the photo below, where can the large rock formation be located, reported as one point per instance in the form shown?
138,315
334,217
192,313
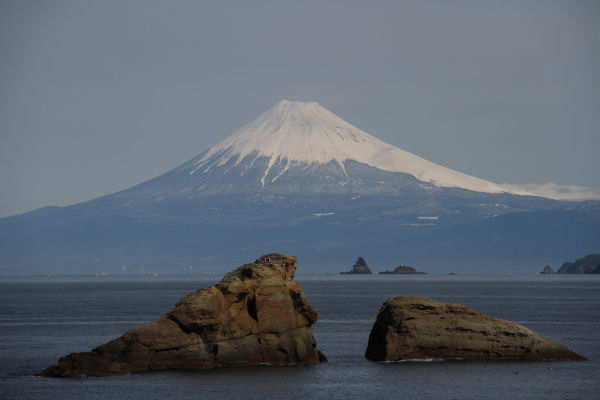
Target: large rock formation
255,315
359,267
416,328
589,264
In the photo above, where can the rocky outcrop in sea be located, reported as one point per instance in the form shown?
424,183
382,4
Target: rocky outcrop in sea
359,267
417,328
255,315
402,269
547,270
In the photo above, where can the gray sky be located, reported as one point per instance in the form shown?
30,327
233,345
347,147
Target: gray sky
98,96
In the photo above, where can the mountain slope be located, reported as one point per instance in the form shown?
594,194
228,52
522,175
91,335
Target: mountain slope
298,147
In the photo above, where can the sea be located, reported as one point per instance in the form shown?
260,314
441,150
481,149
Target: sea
44,318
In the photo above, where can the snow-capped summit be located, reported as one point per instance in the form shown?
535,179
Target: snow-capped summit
294,133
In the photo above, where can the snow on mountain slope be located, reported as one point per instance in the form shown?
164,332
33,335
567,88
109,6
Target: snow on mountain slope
293,133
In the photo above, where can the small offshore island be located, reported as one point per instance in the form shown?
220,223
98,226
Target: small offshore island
359,267
403,269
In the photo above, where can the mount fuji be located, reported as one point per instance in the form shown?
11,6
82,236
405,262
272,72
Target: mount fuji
300,180
297,134
296,142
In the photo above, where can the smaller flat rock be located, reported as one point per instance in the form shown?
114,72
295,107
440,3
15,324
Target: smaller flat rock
419,328
402,270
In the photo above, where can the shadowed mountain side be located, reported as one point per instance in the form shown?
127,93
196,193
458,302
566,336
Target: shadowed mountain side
78,240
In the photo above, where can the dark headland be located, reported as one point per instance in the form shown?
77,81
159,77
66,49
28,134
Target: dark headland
589,264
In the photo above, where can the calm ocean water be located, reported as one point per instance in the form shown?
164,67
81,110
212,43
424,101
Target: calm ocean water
42,319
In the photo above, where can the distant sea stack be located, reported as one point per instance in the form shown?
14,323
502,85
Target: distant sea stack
419,328
402,269
589,264
255,315
547,270
360,267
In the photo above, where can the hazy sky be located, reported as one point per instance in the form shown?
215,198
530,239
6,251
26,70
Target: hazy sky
98,96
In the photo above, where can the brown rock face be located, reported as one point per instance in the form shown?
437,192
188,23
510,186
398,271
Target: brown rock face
413,328
255,315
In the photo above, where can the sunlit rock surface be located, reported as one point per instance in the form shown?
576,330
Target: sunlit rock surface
418,328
